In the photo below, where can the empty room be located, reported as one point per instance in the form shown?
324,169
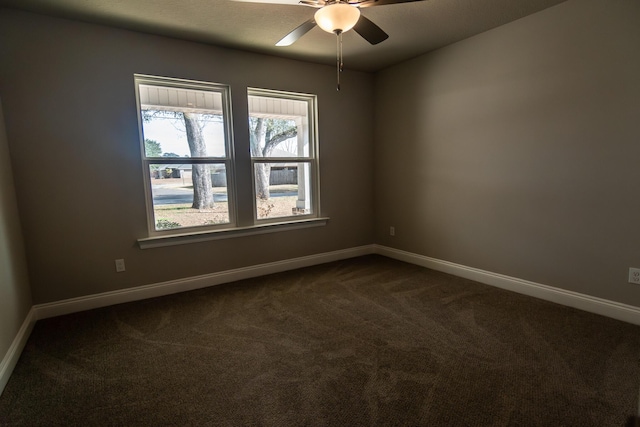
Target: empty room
279,213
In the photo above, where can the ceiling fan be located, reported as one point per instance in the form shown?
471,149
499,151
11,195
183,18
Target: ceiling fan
337,16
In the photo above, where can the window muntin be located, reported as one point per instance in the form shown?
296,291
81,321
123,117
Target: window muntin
186,154
282,130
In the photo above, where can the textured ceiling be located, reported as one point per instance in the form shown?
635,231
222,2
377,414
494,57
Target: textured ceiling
413,28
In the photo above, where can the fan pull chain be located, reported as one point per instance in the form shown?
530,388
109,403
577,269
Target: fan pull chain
339,62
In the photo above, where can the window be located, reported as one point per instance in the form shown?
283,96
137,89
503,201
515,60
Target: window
189,161
282,136
186,154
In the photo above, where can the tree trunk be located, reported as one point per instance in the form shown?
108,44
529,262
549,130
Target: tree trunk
263,170
264,138
200,173
257,139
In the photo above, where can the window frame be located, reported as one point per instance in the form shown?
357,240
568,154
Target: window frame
312,159
240,222
228,160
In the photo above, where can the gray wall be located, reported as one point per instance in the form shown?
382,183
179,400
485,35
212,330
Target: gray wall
15,296
514,151
71,121
517,151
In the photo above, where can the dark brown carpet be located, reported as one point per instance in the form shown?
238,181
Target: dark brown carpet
362,342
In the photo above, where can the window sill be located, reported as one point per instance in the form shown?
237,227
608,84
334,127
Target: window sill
181,239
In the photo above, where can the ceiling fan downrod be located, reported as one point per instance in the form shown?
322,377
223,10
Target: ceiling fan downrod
339,61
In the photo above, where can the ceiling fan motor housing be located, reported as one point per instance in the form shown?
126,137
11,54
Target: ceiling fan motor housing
337,17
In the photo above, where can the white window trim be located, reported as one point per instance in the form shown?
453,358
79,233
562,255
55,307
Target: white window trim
184,238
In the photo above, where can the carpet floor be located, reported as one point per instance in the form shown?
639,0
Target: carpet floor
363,342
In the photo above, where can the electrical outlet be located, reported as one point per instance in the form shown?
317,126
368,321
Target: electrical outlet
634,276
119,265
392,231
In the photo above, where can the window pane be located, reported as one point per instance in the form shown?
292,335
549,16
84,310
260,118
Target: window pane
171,116
165,134
189,195
278,127
283,189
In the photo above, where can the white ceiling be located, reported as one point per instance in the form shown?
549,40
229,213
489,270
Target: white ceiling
413,28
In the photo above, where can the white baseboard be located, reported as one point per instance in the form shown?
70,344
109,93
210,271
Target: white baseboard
615,310
89,302
15,350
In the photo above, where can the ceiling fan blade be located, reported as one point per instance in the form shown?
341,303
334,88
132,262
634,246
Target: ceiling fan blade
370,31
294,35
292,2
369,3
313,3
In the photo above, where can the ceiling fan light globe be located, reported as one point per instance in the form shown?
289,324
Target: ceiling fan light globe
337,17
